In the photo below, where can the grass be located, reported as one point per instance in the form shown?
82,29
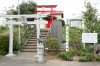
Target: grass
64,34
4,39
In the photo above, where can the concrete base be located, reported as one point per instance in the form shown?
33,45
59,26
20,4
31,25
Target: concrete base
10,55
40,59
98,53
36,56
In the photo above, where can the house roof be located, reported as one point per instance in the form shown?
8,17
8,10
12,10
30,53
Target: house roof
47,6
55,12
58,13
75,19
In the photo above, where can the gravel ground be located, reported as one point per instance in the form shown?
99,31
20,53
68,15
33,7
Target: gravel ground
27,59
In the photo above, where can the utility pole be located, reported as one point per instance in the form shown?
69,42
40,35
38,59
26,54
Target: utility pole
19,38
73,15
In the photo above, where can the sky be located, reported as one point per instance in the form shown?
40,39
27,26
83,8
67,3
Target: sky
69,7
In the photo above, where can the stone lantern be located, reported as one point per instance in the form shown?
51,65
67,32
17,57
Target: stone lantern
41,50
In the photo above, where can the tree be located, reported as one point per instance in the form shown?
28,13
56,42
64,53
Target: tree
25,8
63,23
90,17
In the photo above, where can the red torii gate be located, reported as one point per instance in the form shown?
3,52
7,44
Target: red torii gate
51,11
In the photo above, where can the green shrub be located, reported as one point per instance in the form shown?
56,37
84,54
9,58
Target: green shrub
75,35
2,52
97,58
86,57
4,43
75,52
63,23
66,55
52,44
3,29
75,40
64,34
82,59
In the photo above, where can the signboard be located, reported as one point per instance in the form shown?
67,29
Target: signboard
89,38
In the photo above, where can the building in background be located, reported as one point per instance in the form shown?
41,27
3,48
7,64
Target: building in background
78,23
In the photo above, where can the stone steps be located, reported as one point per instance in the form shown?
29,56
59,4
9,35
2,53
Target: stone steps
36,36
33,39
29,50
40,33
31,42
31,45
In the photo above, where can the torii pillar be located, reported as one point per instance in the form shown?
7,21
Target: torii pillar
12,23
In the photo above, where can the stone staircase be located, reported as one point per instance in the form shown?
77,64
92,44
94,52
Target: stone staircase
31,45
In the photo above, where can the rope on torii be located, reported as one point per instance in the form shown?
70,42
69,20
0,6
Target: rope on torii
12,23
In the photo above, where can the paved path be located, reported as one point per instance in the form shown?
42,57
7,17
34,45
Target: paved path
27,59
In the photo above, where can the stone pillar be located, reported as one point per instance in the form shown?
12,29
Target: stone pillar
56,30
10,54
38,33
67,35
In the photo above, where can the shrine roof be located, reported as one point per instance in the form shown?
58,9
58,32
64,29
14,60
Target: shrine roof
49,17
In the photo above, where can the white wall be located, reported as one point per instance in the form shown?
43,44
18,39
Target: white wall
77,24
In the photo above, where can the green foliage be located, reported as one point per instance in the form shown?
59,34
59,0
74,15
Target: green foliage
64,34
25,8
3,29
83,55
90,17
97,29
28,7
98,37
4,40
75,52
4,43
63,23
86,57
97,58
66,55
75,35
52,44
75,40
2,52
